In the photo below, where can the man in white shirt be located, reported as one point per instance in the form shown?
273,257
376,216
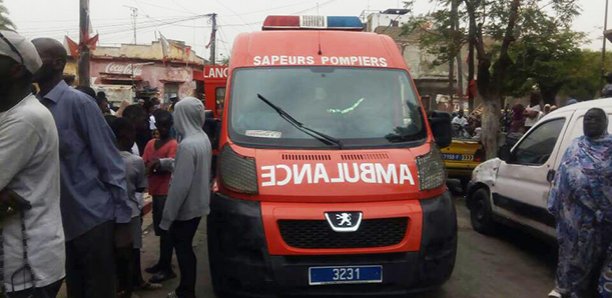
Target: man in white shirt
533,112
34,256
460,124
460,119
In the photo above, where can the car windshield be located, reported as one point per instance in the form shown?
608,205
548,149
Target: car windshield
361,107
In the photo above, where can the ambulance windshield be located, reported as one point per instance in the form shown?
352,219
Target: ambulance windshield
362,107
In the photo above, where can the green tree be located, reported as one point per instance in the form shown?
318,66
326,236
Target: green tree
518,44
439,35
504,22
5,22
584,81
545,56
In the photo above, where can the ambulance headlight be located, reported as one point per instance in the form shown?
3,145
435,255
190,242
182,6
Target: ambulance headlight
431,170
238,173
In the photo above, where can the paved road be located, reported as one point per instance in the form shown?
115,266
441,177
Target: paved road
513,264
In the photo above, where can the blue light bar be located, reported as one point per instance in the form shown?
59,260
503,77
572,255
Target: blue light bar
338,22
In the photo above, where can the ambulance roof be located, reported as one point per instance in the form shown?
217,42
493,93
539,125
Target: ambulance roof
313,47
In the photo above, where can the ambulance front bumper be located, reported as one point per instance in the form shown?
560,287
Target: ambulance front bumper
242,265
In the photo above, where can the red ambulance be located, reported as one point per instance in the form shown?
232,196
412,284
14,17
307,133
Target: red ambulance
330,181
215,78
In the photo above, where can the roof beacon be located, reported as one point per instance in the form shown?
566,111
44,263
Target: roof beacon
313,22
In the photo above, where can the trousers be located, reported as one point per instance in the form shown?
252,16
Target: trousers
182,233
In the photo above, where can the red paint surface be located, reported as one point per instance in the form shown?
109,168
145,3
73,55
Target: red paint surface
272,212
310,201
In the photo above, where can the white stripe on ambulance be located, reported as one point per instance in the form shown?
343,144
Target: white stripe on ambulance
320,60
374,173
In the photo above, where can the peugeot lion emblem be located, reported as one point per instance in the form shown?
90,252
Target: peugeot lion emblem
344,221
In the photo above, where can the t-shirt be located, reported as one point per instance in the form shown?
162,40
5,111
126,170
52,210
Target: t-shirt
135,179
159,183
529,122
29,156
460,121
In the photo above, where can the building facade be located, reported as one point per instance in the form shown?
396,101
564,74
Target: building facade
164,69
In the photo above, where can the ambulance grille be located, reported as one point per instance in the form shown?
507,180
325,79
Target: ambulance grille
365,156
306,157
317,234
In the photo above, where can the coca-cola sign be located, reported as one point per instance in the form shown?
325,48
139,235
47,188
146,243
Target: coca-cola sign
119,68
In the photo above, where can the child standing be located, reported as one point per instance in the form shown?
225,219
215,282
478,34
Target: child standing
128,252
159,179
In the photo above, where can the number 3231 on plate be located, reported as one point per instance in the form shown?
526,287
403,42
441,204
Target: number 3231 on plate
344,275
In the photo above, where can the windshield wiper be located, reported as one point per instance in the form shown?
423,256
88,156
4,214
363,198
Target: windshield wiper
328,140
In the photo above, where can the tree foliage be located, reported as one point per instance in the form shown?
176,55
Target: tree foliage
436,33
584,81
5,22
518,44
545,55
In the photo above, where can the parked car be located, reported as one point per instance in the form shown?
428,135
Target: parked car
461,157
514,188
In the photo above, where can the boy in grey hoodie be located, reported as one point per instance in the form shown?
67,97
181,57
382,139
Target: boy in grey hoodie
189,193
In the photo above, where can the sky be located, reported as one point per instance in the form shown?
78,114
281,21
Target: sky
185,20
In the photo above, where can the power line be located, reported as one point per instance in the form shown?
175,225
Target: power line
314,7
182,7
115,25
165,24
232,11
134,19
160,6
274,8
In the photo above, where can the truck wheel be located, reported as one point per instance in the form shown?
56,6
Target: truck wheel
481,215
464,184
213,252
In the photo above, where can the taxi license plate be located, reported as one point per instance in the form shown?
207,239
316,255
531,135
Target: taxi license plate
463,157
344,275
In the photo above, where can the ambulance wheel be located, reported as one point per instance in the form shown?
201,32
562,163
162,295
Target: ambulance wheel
481,215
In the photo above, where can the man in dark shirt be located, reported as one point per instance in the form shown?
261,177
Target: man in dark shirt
94,206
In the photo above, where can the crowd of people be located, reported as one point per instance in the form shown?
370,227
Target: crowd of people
74,172
517,119
73,177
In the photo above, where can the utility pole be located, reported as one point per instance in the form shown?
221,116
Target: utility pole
83,62
470,62
213,38
603,50
134,19
451,48
460,46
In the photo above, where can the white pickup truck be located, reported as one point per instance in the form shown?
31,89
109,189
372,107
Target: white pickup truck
514,188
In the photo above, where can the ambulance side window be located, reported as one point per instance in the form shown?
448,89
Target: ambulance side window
220,99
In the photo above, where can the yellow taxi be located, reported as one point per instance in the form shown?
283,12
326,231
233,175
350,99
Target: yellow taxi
461,157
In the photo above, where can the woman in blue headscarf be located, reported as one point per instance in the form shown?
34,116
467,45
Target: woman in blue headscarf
581,201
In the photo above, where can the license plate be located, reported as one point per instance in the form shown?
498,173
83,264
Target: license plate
463,157
344,275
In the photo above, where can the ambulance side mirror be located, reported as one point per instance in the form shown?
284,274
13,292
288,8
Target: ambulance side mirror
212,128
440,123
